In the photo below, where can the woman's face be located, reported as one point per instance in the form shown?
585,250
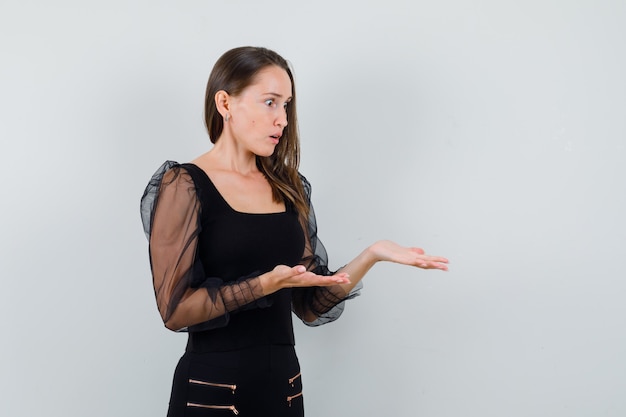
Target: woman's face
259,114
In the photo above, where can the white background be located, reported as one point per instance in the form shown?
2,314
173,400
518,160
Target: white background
490,132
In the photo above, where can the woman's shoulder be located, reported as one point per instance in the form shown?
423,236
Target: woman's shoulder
169,173
170,176
173,171
306,185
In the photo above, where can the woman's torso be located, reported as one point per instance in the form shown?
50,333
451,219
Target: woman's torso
233,245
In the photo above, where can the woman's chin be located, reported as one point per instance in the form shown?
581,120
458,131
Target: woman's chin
265,152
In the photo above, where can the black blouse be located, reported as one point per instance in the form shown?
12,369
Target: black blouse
206,258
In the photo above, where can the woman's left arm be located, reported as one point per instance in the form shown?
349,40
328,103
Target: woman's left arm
320,305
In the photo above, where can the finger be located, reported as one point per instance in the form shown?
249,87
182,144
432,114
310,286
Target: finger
433,265
311,280
299,269
438,259
431,258
417,250
342,278
339,280
440,266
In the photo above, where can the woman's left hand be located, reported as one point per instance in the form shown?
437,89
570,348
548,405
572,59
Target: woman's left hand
386,250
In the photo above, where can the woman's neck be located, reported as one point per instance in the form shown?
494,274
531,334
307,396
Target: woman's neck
228,156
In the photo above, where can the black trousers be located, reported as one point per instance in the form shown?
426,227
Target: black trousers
262,381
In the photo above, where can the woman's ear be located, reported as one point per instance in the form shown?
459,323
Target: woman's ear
222,103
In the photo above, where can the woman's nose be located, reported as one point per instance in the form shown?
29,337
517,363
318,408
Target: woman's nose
282,119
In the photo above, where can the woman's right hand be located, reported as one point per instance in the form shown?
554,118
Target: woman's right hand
283,276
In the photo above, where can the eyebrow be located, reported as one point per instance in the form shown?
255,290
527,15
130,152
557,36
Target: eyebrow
278,95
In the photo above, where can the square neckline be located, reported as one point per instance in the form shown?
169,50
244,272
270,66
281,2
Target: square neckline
230,207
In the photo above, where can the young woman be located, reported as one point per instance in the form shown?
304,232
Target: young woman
234,248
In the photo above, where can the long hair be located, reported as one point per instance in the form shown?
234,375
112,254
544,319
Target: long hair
233,72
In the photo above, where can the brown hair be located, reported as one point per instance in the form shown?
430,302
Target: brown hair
233,72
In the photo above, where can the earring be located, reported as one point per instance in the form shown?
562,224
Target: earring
227,117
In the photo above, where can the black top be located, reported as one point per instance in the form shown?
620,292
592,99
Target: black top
206,257
235,244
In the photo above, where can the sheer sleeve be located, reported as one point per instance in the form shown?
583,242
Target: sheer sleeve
186,298
325,303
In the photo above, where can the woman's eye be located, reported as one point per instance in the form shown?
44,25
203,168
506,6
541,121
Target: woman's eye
269,102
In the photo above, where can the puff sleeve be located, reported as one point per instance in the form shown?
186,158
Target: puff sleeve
324,303
186,298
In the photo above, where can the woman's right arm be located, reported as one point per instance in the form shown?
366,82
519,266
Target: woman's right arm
185,296
173,226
